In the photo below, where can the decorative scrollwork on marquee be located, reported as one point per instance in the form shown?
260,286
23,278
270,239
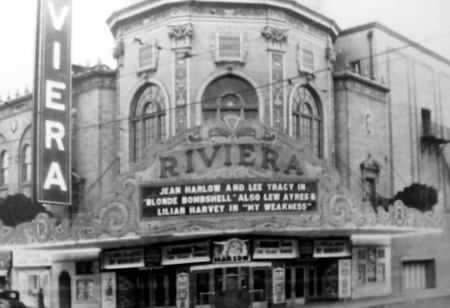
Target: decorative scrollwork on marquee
118,214
231,128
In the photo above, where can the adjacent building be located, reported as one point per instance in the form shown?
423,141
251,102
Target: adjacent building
242,154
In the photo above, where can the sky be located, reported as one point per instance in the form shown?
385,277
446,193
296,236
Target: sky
424,21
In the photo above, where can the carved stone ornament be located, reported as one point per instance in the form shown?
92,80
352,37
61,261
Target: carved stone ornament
275,34
331,54
14,126
119,50
117,216
371,164
181,35
369,122
276,37
181,31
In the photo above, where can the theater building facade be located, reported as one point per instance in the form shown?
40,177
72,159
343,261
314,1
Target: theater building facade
212,172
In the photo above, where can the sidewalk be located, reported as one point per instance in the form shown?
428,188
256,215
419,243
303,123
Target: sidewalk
424,298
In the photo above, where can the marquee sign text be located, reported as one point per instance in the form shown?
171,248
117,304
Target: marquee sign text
225,198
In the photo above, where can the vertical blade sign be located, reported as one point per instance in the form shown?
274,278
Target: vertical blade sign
53,103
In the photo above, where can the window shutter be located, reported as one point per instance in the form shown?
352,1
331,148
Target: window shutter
147,56
418,274
306,58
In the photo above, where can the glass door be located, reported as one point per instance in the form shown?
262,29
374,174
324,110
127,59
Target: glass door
132,289
203,291
258,287
231,287
295,285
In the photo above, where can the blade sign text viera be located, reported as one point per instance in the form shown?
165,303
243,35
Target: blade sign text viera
52,105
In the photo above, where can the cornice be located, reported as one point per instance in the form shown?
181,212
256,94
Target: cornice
360,79
144,7
407,41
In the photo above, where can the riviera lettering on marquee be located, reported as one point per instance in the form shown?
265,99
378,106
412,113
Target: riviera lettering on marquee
247,155
53,102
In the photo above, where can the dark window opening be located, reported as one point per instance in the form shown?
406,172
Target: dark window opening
426,122
229,95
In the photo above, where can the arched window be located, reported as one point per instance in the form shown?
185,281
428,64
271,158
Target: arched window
229,95
25,164
4,168
307,119
148,120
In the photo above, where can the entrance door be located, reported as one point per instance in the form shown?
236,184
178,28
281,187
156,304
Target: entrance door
132,289
295,285
163,289
258,287
231,286
203,292
65,296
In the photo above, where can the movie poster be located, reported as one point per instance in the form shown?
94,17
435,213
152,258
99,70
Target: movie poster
108,289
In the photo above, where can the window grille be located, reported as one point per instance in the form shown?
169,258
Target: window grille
229,47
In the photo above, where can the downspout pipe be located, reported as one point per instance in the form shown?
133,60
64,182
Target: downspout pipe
370,38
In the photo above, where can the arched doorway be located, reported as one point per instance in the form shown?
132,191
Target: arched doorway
65,294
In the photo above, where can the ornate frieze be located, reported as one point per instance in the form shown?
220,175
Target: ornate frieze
224,12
